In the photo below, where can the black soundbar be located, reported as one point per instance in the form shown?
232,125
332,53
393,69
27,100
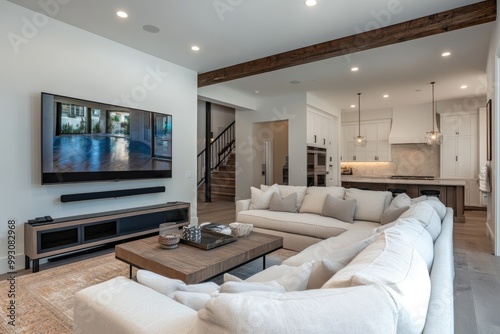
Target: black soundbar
110,194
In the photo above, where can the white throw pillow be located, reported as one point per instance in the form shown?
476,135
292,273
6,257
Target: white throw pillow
243,286
291,278
194,300
370,204
161,284
168,286
260,199
315,198
321,272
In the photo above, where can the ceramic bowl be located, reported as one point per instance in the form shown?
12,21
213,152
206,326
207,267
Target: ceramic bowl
169,241
240,229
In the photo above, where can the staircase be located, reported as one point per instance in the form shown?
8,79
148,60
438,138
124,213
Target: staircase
222,165
223,180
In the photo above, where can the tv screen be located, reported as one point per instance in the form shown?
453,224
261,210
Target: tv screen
92,141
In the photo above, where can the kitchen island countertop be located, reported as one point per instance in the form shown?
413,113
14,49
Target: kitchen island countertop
387,179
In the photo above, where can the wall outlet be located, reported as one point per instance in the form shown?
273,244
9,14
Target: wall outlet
188,174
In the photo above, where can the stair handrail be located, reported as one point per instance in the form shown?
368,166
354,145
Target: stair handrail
221,148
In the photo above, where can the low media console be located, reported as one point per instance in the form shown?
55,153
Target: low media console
69,234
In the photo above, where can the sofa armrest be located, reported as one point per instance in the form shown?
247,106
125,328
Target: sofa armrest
123,306
242,205
440,315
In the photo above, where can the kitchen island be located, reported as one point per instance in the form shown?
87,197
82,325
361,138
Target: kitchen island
451,191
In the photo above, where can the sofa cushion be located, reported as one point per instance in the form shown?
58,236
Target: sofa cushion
286,190
415,234
360,310
348,245
315,198
397,266
342,209
261,199
303,224
427,216
284,204
370,204
437,205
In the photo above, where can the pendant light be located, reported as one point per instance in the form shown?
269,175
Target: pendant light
434,137
359,140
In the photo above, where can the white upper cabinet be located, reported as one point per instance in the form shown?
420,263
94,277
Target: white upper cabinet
459,151
377,137
318,129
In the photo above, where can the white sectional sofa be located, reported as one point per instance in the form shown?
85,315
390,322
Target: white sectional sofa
305,224
369,277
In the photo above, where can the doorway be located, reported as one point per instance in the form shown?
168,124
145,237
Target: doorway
271,146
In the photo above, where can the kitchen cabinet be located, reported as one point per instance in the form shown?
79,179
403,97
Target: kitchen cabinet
318,129
460,152
377,136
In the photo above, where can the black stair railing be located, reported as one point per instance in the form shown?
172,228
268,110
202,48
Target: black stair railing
221,147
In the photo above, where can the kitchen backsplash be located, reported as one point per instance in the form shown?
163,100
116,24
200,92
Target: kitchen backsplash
407,159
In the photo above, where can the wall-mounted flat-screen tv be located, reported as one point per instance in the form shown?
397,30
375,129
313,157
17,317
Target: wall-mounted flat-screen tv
91,141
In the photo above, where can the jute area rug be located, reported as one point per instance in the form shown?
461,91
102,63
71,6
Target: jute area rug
44,300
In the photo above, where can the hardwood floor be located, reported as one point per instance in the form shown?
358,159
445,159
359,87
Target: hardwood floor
477,271
477,278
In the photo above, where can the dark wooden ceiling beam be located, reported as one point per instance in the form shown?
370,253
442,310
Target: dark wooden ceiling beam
453,19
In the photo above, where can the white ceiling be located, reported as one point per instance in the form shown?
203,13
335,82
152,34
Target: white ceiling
234,31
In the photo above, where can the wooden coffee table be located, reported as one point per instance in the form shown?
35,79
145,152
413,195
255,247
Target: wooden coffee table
194,265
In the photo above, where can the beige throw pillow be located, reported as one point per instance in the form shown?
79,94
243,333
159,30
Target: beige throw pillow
315,198
339,208
287,204
391,215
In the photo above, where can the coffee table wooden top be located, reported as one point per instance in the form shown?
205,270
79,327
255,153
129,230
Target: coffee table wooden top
194,265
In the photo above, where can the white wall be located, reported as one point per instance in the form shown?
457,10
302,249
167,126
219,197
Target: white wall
248,169
54,57
493,69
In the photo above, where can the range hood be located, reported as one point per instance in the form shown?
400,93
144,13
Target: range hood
410,124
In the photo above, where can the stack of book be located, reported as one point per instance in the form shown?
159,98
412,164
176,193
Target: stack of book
224,229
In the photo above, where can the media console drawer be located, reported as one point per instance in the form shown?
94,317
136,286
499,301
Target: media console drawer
69,234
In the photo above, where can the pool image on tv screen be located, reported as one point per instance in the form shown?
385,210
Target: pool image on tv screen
91,141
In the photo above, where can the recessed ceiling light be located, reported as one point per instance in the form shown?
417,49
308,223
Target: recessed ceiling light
151,29
195,48
354,69
353,106
122,14
295,82
463,86
445,54
386,96
256,92
311,3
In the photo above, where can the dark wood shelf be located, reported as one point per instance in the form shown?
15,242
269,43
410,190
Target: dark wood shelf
75,233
